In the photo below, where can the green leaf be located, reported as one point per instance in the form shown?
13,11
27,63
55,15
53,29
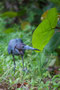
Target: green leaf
10,14
42,35
52,16
45,31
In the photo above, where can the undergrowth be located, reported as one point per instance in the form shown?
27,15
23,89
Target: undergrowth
36,62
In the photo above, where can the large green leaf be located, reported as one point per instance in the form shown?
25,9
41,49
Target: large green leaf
45,31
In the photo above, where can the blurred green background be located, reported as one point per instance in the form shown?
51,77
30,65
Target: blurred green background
19,19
